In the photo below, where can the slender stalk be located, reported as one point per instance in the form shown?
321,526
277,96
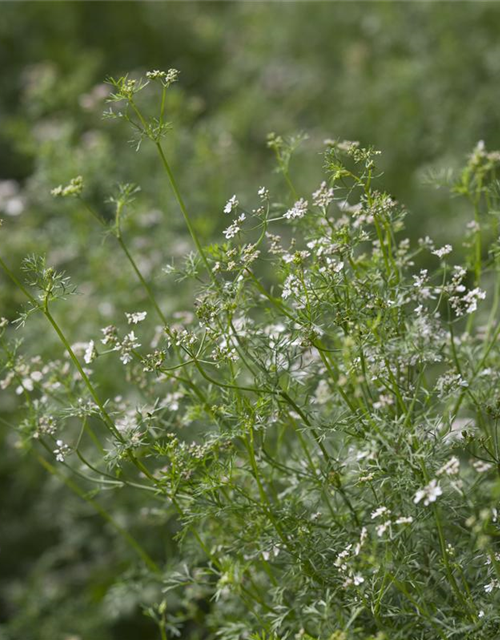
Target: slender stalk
141,278
106,417
185,214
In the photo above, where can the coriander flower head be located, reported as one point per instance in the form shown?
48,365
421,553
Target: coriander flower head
135,318
444,251
74,188
429,493
231,204
298,210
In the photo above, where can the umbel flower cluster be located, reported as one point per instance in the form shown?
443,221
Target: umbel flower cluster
321,425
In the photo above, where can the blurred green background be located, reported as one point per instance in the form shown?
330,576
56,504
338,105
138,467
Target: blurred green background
419,81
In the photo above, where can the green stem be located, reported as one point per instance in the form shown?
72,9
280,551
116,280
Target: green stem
185,213
106,417
44,309
146,286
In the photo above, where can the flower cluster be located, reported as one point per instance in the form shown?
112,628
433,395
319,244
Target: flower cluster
74,188
298,210
316,435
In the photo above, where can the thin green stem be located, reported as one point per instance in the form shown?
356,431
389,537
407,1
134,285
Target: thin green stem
185,214
141,278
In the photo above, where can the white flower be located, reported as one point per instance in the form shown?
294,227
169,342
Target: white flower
340,559
6,382
323,196
26,385
468,303
263,193
358,579
426,243
404,520
135,318
382,528
378,512
451,468
481,467
292,285
234,228
450,382
172,76
90,353
298,210
166,77
110,335
128,344
471,299
429,493
421,283
494,584
273,552
231,204
46,427
362,537
154,75
444,251
62,451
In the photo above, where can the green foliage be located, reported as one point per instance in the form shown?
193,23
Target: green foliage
104,538
316,435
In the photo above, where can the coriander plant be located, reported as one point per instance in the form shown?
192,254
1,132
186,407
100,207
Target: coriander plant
317,432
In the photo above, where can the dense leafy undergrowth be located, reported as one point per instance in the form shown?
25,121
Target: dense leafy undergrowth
310,448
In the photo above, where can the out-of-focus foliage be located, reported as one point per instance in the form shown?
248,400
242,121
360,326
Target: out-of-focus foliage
418,81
